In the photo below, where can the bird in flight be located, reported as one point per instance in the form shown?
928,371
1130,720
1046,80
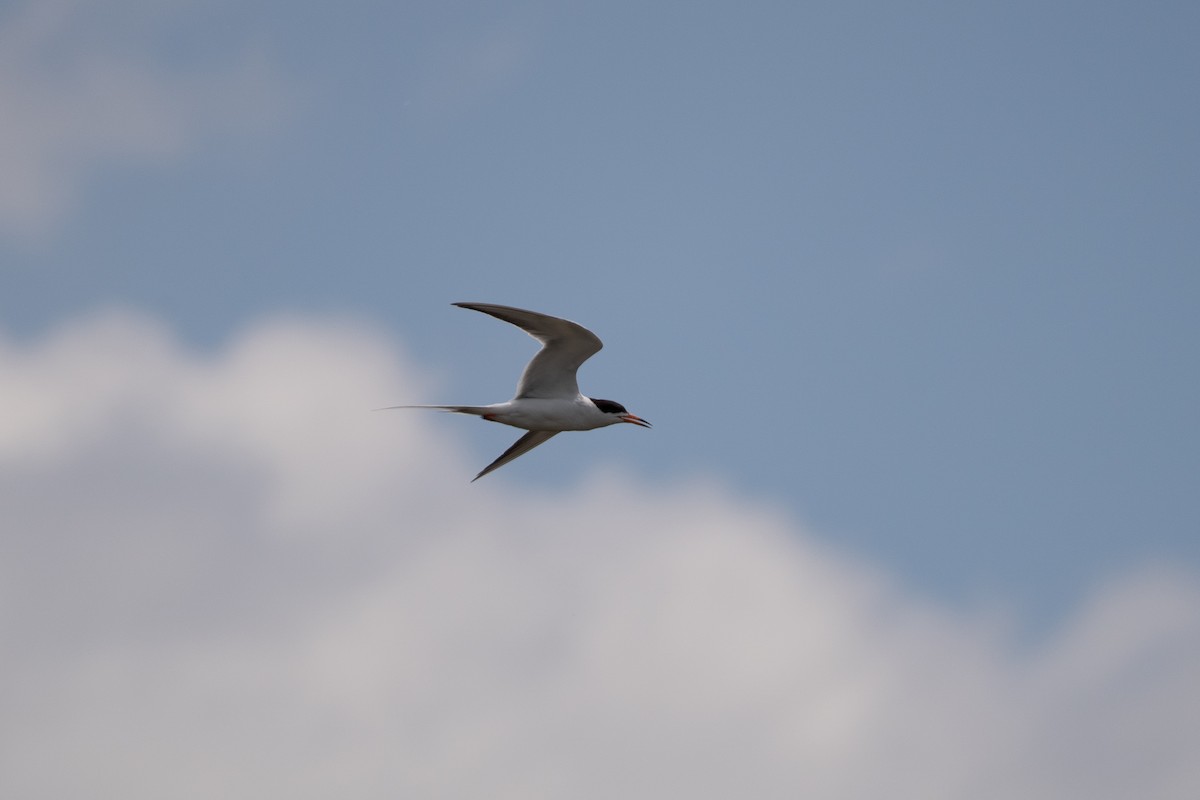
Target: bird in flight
548,401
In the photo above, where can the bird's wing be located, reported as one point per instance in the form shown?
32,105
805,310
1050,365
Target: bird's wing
519,448
565,345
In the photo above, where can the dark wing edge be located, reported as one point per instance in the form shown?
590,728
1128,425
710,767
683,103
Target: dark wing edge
518,449
538,325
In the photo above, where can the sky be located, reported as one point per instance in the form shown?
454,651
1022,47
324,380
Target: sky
909,292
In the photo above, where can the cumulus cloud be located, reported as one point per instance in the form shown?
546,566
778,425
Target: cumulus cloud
85,84
222,577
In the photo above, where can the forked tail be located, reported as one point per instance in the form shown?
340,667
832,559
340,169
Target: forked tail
478,411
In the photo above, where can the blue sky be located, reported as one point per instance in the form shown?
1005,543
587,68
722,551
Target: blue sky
921,277
925,275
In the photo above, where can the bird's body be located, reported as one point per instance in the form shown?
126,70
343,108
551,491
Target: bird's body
548,400
540,413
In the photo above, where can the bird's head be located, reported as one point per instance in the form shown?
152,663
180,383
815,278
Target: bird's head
618,412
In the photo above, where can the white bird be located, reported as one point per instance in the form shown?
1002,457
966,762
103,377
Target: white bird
548,401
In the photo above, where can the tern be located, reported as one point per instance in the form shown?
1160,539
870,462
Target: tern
548,401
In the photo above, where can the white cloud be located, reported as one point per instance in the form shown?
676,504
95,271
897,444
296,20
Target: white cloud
222,577
86,84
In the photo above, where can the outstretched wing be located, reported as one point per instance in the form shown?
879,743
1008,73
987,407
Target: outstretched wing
565,345
519,448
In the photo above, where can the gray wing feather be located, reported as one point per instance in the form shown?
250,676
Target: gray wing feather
519,448
565,345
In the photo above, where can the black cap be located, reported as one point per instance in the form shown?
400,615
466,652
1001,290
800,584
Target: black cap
609,406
